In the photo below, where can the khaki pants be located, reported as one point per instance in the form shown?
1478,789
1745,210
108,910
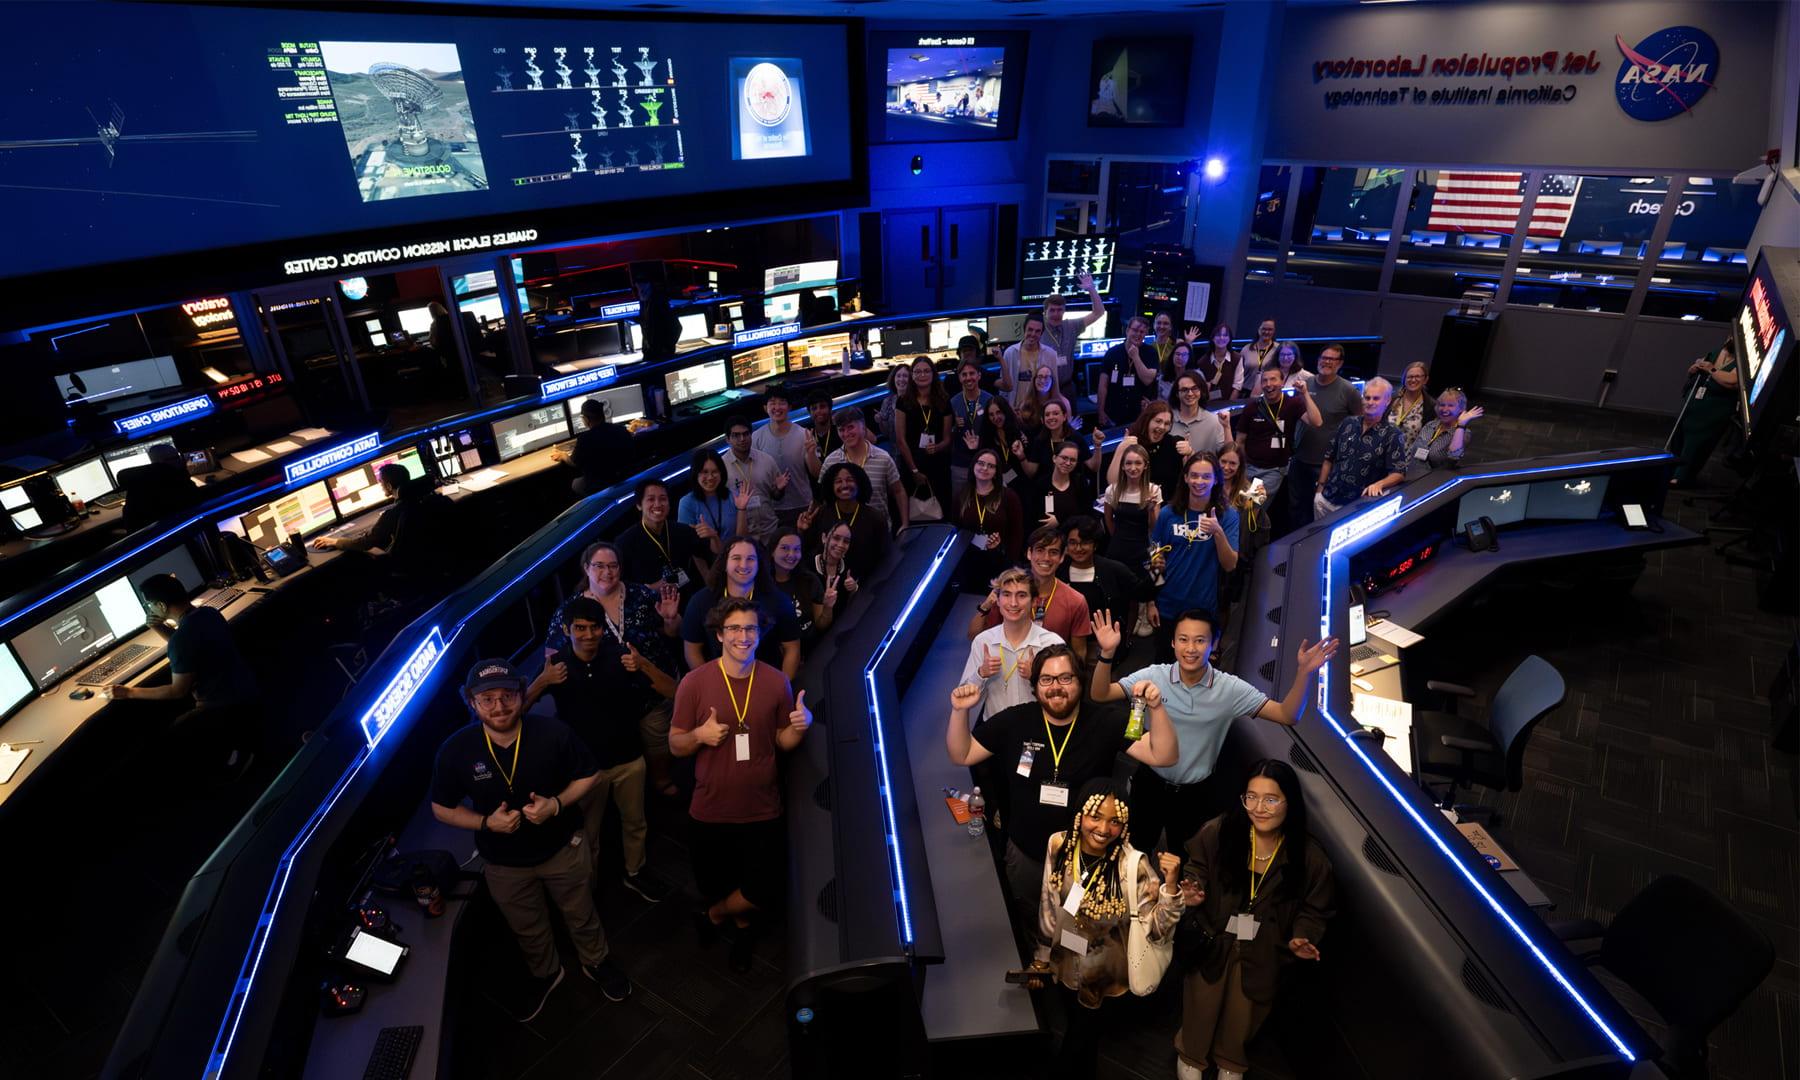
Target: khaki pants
624,785
1217,1019
520,891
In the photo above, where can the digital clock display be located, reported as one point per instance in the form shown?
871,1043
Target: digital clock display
1386,577
245,391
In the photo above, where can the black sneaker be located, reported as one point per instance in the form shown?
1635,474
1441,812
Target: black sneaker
539,994
741,954
611,980
647,887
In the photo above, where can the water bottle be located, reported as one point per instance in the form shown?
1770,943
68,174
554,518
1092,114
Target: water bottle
977,813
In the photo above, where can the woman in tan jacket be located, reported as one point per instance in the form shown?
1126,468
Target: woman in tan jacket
1261,892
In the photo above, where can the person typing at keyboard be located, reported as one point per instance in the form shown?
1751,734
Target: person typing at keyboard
204,663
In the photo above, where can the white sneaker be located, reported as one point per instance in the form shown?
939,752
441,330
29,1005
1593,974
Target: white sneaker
1184,1071
1230,1074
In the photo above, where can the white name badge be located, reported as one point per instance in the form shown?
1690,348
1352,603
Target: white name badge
681,579
1699,391
927,440
1074,942
1244,926
742,742
1009,476
979,541
1049,504
1422,453
1072,905
1053,794
1276,442
1129,380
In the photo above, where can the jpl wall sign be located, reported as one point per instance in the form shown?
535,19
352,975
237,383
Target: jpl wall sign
1621,85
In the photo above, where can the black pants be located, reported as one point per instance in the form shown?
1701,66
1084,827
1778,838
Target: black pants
1302,481
1157,805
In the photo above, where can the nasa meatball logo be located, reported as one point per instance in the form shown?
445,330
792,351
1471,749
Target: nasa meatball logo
768,94
1666,73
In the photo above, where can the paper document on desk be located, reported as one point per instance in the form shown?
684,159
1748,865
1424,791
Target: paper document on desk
285,446
1391,718
1394,634
481,480
10,759
251,456
311,433
1487,846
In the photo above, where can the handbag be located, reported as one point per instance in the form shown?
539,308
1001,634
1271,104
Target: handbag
1146,961
926,507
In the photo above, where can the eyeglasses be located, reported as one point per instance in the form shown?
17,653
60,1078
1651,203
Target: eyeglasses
738,631
1190,389
1067,459
1058,680
496,698
603,566
1269,802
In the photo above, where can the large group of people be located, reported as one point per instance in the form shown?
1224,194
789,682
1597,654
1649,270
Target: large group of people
683,639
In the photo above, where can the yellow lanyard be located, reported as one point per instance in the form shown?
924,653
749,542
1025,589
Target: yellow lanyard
507,776
743,723
1273,419
981,512
1056,752
1193,529
1039,613
1254,880
1435,435
925,411
1007,673
825,444
1405,416
667,558
853,513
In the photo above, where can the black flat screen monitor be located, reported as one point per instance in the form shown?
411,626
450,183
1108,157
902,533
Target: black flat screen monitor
692,383
1006,328
622,405
906,342
358,489
947,84
87,481
1503,504
1578,498
297,515
455,453
1054,264
1763,335
822,351
15,685
178,561
78,633
121,458
1139,82
519,435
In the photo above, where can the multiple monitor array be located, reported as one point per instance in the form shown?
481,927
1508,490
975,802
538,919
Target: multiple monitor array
36,501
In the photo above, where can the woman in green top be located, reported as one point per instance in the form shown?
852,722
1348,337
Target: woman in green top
1712,398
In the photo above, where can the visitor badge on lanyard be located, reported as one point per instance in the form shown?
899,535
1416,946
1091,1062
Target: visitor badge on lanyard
1073,904
1276,442
742,742
1128,380
1025,759
1422,453
1244,926
1074,942
1699,391
1049,504
1054,795
927,441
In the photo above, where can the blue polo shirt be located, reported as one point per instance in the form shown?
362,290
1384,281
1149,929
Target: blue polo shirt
1191,571
1202,715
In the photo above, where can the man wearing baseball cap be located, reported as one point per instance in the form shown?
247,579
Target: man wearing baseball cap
510,781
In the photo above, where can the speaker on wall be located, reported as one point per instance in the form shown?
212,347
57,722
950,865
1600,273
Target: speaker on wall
1006,266
868,232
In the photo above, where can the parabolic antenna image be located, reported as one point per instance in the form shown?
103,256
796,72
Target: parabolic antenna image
405,114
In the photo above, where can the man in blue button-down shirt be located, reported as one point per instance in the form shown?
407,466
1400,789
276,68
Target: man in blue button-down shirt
1202,701
1367,456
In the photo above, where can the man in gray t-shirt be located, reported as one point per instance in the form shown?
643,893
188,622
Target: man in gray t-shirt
755,475
1336,399
795,454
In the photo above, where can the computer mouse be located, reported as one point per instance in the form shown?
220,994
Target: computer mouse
80,693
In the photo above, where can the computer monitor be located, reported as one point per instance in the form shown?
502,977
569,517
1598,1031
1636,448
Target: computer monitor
759,364
485,308
1504,505
693,326
941,334
1579,498
1006,328
178,561
15,497
86,481
1094,331
691,383
905,342
15,685
121,458
78,633
455,453
825,350
358,489
800,275
415,321
603,339
296,515
623,405
481,280
519,435
780,309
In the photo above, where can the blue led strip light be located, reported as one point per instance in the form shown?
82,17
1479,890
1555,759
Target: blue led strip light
1333,564
889,816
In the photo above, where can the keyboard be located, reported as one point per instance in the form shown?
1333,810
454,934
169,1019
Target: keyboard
109,670
222,598
110,500
392,1057
1364,653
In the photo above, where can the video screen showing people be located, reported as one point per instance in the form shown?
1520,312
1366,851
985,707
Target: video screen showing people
944,92
405,116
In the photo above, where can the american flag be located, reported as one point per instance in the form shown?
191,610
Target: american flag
1489,202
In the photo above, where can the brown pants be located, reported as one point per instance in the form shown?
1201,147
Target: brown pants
624,785
1217,1019
520,892
654,727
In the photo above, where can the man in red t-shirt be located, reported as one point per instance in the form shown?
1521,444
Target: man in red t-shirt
1270,424
732,715
1055,605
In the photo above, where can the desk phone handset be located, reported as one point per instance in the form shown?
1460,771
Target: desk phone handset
1480,535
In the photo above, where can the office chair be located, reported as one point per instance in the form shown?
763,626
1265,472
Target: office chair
1492,754
1690,955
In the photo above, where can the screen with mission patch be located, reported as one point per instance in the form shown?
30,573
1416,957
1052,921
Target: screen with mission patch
155,129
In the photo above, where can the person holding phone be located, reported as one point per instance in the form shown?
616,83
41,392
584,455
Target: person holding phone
1258,892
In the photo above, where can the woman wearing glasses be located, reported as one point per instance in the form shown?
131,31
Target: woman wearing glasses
1443,441
1258,893
1205,431
1412,407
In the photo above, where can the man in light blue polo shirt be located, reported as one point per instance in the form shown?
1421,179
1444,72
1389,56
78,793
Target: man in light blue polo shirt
1202,701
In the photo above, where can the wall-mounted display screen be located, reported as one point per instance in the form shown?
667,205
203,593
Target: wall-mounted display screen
948,85
162,128
1764,336
128,379
1054,264
804,275
1139,82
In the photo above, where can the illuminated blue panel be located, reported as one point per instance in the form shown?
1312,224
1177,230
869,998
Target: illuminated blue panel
762,335
331,460
400,690
163,416
620,311
889,818
1333,575
567,385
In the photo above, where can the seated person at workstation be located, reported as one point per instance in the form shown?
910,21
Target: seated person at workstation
743,571
1367,455
156,490
204,662
600,454
413,530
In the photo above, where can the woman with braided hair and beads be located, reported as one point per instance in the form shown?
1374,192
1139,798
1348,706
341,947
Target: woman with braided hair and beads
1259,891
1095,884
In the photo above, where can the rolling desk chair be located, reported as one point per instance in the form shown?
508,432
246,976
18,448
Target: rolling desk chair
1689,955
1491,754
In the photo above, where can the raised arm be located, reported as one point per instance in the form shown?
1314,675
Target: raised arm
958,739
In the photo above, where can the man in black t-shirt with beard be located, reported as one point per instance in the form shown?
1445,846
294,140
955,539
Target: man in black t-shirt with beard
518,779
1050,748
